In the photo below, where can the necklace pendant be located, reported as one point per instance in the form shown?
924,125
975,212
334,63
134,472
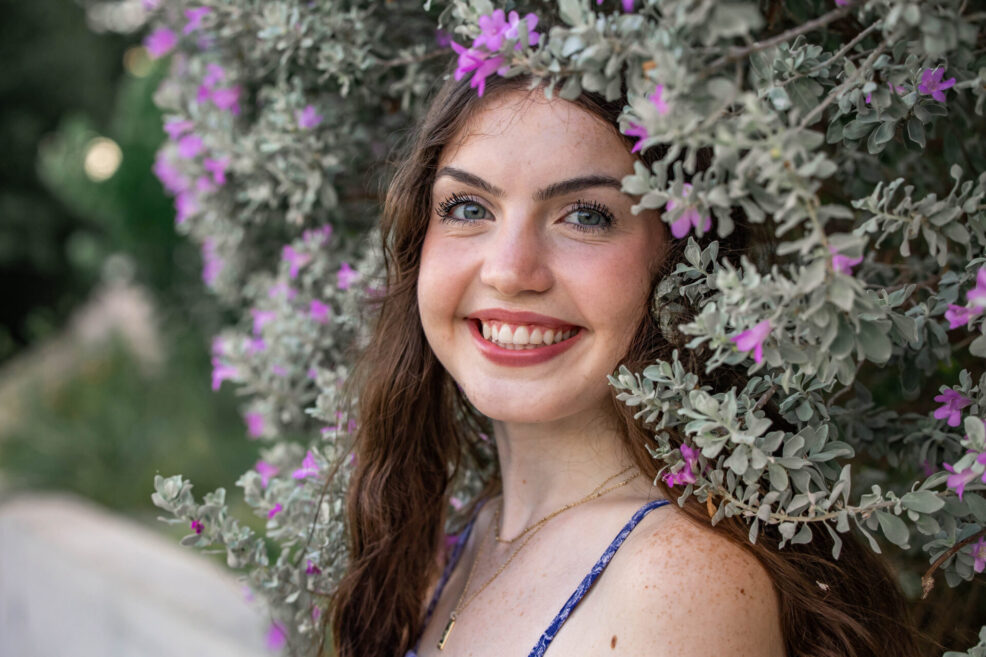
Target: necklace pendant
448,630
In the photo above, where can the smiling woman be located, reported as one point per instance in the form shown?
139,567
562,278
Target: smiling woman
519,278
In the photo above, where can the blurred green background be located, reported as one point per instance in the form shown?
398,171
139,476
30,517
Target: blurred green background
105,324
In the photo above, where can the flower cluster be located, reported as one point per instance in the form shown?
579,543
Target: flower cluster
481,58
686,475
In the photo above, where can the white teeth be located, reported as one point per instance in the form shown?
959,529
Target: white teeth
523,337
505,336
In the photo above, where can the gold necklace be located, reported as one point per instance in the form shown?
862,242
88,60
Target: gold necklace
460,606
559,511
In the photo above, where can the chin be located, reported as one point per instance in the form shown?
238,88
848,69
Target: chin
520,406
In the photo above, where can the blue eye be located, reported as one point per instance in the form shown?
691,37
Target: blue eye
461,209
589,217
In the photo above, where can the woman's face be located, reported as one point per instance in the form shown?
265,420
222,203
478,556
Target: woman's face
531,241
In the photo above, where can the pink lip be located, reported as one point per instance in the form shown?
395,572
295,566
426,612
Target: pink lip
520,317
519,358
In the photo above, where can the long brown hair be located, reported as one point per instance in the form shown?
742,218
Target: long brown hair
417,430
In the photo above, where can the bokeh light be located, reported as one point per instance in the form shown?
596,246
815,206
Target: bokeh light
103,158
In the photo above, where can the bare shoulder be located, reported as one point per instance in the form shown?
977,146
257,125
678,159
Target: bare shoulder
686,590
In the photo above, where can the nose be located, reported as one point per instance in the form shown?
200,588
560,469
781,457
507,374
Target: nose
516,259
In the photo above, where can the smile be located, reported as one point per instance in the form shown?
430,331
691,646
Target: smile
524,336
519,345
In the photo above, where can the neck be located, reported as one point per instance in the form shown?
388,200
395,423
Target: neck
547,465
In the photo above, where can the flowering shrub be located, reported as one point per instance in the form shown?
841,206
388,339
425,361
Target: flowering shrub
842,128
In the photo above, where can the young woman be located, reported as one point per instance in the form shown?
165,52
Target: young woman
518,278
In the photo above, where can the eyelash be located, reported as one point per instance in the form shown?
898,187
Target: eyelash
445,212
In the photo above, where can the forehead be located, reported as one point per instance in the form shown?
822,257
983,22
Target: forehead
522,136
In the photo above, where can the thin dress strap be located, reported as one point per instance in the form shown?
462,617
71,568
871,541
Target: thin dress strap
460,544
589,580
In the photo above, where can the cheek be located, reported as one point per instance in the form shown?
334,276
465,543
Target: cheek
438,284
614,292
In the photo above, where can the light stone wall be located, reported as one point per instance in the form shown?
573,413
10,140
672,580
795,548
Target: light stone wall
76,580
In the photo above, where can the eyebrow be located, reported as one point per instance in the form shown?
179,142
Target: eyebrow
555,189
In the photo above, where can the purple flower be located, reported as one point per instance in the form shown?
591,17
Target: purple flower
627,6
185,206
320,312
278,370
960,315
958,480
312,373
222,372
841,3
927,468
212,264
266,471
442,39
214,74
176,128
273,512
295,259
308,118
932,85
638,131
656,100
513,31
169,175
312,569
256,345
197,526
491,30
979,555
977,295
843,264
687,474
217,167
476,62
204,94
195,17
478,59
150,5
753,339
308,467
690,455
261,318
189,146
204,185
160,42
276,636
347,276
255,424
953,403
689,218
227,98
